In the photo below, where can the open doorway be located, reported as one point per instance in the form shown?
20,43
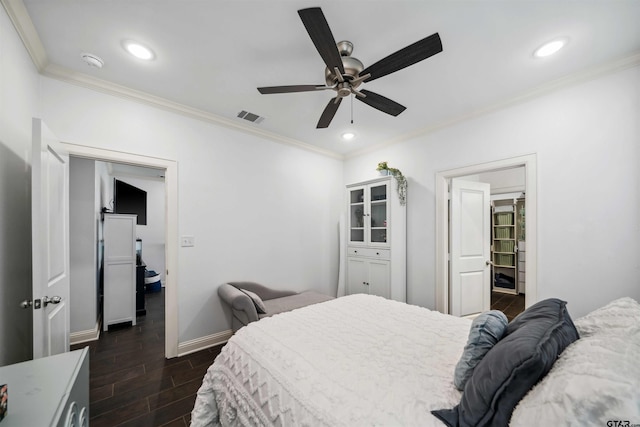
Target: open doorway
98,192
170,226
528,163
506,238
131,189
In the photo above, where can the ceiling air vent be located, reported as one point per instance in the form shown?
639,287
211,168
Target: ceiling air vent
250,117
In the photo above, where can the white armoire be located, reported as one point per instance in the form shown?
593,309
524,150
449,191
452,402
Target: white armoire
119,269
376,240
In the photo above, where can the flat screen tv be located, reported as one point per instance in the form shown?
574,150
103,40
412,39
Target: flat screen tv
128,199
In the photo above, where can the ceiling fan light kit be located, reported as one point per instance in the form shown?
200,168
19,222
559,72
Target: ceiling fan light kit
344,74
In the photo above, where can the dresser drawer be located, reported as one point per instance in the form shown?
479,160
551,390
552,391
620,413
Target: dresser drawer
369,252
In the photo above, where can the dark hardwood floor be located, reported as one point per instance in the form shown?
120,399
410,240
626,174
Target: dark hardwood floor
510,305
131,382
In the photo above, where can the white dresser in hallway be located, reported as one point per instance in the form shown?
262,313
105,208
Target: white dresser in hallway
119,269
51,391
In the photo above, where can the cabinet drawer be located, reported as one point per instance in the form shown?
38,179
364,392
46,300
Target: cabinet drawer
369,252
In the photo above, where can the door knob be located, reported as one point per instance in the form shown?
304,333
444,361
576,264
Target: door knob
26,303
489,262
53,300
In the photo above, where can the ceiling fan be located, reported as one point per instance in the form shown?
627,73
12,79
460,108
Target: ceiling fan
344,73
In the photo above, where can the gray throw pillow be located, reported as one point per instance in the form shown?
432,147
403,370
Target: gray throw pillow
486,330
533,342
257,301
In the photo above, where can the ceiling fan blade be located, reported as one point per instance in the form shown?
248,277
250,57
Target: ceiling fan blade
328,113
403,58
321,36
381,103
289,89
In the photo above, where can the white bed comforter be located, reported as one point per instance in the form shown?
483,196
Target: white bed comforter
354,361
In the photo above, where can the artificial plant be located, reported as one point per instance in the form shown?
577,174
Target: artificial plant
400,179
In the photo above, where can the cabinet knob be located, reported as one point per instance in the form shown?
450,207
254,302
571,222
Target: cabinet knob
377,253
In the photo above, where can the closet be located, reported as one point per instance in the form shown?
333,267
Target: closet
508,245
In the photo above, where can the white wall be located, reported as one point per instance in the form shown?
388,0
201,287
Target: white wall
587,141
259,210
504,181
152,234
82,244
18,104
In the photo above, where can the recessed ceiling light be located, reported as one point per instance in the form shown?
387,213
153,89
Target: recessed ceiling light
550,48
347,136
138,50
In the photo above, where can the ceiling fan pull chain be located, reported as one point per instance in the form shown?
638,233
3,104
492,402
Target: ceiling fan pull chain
352,109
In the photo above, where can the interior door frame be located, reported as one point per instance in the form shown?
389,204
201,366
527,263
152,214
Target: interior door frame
529,162
171,226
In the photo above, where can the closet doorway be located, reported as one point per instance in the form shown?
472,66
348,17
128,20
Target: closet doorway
525,165
505,236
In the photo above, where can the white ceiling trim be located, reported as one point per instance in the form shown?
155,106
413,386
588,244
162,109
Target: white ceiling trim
26,30
552,86
84,80
90,82
24,26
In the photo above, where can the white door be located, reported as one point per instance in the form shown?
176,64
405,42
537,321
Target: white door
470,232
50,243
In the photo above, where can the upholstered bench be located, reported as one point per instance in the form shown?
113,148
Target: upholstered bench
251,301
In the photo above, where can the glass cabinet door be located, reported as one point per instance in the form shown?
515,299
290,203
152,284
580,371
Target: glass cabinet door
378,211
356,215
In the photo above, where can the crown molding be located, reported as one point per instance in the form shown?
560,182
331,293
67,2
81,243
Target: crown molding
80,79
544,89
24,26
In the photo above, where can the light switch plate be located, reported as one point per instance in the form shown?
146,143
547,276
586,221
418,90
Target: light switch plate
187,241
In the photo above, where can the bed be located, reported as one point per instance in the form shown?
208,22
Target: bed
362,360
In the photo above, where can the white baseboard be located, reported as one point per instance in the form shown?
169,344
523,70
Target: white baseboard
85,336
202,343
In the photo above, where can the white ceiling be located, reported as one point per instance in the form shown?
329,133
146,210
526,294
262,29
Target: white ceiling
211,56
